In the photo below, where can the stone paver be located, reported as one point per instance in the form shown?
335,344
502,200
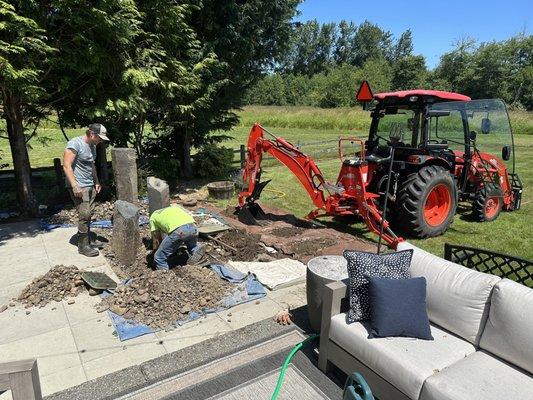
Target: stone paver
72,342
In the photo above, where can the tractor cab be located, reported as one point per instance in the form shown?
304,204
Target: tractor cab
401,119
429,149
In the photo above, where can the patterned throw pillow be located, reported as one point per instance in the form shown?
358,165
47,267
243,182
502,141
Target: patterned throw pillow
394,265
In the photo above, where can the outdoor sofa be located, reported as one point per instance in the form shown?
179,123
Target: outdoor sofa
482,327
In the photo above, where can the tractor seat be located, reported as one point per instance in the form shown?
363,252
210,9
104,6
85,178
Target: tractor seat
377,159
357,162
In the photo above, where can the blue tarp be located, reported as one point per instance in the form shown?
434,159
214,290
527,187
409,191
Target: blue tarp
248,288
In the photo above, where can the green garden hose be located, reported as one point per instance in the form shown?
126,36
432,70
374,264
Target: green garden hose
287,362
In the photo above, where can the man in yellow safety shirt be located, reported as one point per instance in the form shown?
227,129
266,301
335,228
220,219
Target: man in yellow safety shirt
180,228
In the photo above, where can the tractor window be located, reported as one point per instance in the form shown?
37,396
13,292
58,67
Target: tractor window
488,119
397,123
448,129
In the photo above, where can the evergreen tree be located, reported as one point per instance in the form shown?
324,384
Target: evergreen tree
23,53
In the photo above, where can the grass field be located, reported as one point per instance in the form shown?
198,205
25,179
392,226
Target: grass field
510,233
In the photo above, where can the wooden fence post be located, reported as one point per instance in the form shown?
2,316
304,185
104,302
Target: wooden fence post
243,156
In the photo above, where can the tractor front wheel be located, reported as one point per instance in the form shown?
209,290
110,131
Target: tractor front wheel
427,202
488,203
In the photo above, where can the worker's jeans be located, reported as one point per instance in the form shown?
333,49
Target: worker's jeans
186,234
84,206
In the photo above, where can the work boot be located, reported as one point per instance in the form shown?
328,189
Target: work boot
84,247
94,242
197,254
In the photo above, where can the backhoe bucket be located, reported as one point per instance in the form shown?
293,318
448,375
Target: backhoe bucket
250,213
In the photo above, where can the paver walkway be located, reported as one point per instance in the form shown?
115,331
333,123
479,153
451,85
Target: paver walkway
74,343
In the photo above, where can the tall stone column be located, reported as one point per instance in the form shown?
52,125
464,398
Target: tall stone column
125,172
126,236
158,194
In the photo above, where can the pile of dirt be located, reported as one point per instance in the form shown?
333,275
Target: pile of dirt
102,212
311,247
160,298
144,255
58,283
288,231
246,245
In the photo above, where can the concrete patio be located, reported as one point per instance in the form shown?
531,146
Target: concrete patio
72,342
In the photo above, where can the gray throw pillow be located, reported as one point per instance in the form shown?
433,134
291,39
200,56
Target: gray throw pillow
394,265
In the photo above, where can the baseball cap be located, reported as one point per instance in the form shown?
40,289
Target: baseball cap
100,130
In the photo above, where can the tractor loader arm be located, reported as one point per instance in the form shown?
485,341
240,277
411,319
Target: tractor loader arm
301,165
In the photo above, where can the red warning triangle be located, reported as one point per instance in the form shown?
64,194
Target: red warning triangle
364,94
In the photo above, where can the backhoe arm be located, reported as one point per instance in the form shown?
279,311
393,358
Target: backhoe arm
301,165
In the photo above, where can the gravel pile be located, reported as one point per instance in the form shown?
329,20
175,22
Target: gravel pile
160,298
58,283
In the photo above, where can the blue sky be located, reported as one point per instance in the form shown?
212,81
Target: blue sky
436,25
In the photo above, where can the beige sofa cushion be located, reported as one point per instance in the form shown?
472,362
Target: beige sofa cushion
404,362
479,376
457,297
509,329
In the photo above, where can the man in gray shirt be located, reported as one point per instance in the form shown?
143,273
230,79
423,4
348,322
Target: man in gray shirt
82,181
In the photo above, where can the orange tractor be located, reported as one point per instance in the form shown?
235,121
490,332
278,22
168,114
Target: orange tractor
420,159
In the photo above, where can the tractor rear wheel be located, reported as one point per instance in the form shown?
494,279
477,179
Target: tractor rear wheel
488,203
427,202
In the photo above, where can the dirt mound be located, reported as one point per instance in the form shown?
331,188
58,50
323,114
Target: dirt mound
102,212
311,247
58,283
246,245
160,298
288,231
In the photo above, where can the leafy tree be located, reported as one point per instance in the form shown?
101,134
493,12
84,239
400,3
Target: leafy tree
454,64
371,42
379,73
343,52
336,88
408,72
311,47
269,91
297,89
404,46
494,69
23,52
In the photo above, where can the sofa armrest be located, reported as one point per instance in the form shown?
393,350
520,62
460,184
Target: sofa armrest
334,292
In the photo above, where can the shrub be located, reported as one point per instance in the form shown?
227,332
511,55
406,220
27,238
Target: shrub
165,168
213,162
